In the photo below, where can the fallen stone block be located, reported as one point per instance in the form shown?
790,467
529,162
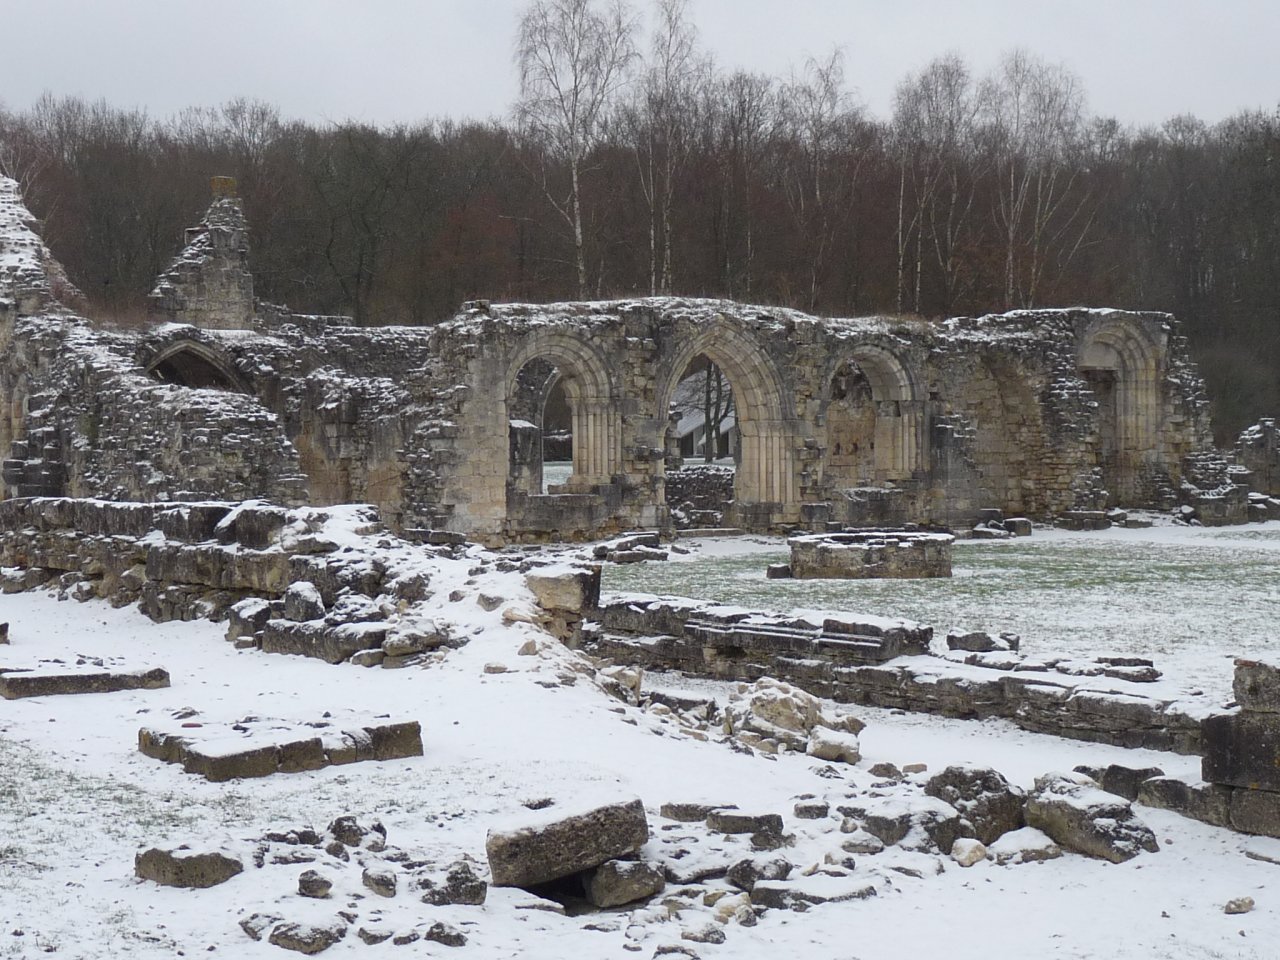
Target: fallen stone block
559,841
184,866
800,895
54,680
574,589
307,938
984,798
616,882
1081,817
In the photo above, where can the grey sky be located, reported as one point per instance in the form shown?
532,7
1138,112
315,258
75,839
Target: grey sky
388,61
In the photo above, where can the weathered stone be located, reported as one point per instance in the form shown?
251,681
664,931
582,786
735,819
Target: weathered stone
256,924
446,934
967,851
302,601
811,810
1242,750
732,821
691,812
380,878
745,874
312,883
1206,802
800,895
1255,811
1083,818
833,745
307,938
875,554
1257,686
1238,905
460,885
16,684
1026,845
616,882
983,797
184,866
575,590
553,844
980,641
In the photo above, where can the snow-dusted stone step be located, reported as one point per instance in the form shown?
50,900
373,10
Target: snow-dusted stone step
564,839
56,679
259,748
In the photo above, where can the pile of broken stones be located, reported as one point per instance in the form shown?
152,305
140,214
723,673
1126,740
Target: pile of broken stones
686,873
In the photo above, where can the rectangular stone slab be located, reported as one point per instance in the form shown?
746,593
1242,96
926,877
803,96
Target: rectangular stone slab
221,752
16,684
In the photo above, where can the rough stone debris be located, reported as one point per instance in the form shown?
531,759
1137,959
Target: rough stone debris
861,422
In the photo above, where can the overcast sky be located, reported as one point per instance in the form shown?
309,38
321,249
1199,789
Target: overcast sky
387,61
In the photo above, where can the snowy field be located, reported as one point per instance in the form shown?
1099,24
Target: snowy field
77,800
1190,598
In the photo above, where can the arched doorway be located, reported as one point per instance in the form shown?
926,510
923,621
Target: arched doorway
558,403
1121,363
752,422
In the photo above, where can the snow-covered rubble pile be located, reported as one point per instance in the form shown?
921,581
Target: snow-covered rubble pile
770,715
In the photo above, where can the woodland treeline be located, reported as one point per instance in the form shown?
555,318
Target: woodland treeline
632,165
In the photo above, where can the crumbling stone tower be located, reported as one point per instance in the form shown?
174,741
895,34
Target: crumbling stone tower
208,284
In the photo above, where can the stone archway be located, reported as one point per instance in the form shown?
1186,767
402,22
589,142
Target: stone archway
572,365
1121,362
766,486
874,420
188,363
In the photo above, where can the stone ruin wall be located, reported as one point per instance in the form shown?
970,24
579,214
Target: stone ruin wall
842,422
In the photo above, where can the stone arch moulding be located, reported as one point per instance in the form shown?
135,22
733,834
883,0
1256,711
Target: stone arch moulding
588,386
886,441
1122,362
767,469
190,363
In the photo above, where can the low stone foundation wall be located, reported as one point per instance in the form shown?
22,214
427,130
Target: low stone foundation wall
699,494
843,657
872,554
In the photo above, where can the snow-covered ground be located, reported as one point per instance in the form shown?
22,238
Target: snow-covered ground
77,800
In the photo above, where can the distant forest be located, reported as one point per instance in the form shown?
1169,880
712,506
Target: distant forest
633,166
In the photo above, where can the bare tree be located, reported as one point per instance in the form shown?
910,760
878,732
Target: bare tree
820,160
573,59
934,124
662,121
1034,113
